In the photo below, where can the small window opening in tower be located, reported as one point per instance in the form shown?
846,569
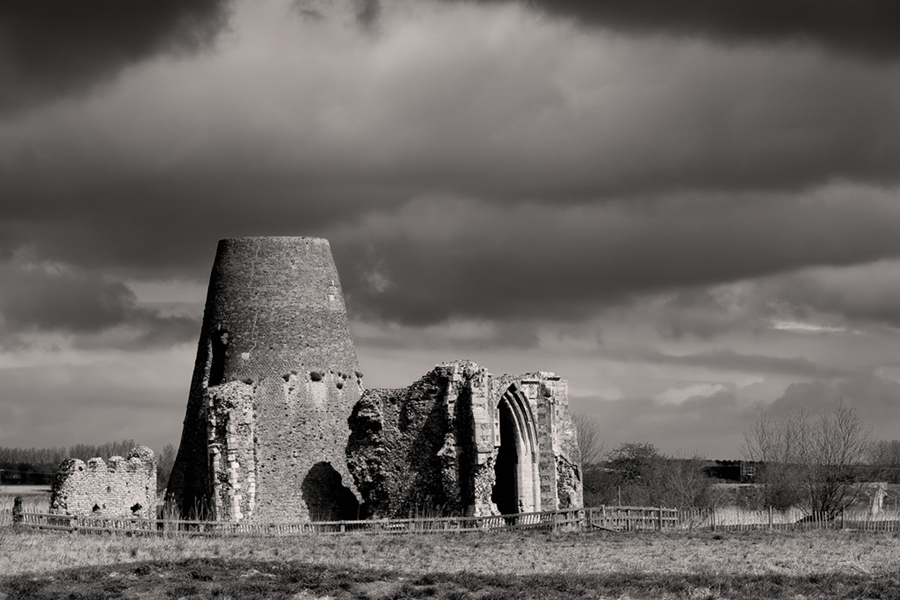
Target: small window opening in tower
219,349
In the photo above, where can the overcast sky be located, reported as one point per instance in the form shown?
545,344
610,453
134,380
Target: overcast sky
689,210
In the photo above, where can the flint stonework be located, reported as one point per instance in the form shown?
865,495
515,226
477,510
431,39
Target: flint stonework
278,427
119,487
275,379
460,441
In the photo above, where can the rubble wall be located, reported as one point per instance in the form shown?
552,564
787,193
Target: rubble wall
275,357
119,487
433,447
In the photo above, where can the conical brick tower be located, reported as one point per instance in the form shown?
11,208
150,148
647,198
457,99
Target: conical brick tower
275,379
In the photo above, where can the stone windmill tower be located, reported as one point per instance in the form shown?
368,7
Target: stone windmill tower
275,379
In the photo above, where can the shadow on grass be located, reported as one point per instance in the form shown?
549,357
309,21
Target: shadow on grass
215,578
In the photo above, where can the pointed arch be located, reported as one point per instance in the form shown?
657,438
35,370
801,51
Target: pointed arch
517,480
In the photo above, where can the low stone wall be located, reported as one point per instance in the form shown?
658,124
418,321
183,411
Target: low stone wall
119,487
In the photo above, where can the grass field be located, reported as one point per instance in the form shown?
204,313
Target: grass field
816,564
690,565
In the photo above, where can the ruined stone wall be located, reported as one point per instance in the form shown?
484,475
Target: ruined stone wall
119,487
275,379
403,449
436,445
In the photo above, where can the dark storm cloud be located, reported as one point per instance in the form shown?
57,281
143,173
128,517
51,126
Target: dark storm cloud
574,149
367,12
437,260
866,293
51,48
85,305
865,27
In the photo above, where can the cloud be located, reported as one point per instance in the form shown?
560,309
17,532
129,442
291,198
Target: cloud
51,49
301,126
729,360
872,393
677,395
439,259
59,404
867,293
95,311
866,28
708,425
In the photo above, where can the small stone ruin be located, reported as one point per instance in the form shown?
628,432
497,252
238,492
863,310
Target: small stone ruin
116,488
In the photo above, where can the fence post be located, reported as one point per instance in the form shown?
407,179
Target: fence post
17,511
712,517
660,518
770,517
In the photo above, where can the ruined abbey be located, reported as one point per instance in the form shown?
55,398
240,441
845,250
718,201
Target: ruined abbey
279,427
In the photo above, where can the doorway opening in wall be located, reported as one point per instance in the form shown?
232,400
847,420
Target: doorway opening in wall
506,493
326,497
516,481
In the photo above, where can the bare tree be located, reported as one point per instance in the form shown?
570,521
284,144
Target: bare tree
833,457
818,462
682,482
884,458
775,445
590,441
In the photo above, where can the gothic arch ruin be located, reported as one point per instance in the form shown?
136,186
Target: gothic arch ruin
517,478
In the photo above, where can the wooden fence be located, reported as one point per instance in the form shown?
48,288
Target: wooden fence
614,518
548,520
732,519
631,518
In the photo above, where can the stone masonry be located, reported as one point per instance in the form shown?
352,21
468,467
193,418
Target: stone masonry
460,441
276,390
119,487
275,379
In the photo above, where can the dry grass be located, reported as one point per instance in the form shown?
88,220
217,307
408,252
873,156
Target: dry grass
673,565
747,553
816,564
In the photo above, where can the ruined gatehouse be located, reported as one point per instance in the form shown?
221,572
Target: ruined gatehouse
278,426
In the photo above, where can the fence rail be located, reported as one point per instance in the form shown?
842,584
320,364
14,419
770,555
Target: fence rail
614,518
547,520
795,519
631,518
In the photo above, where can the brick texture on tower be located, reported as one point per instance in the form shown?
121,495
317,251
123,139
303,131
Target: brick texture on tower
275,378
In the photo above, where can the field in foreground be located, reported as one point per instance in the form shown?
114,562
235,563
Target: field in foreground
818,564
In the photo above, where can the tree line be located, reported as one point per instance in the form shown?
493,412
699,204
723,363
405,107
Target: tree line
818,463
